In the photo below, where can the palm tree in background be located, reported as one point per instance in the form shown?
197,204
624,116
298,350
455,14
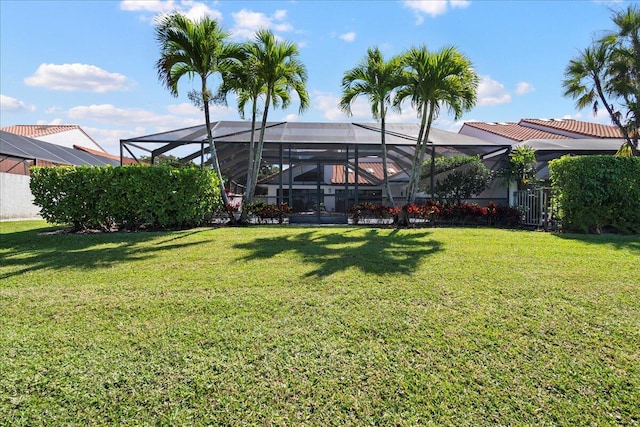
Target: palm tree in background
432,80
608,73
241,76
376,79
624,69
275,70
194,48
587,81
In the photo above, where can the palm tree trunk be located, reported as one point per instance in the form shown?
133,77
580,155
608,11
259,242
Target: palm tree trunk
385,171
258,157
214,159
418,157
250,186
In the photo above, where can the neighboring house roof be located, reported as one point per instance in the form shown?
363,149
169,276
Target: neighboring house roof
39,131
527,129
514,131
587,129
34,131
373,169
125,160
29,148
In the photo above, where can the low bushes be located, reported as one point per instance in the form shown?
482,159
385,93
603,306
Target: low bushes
597,192
266,213
127,197
434,212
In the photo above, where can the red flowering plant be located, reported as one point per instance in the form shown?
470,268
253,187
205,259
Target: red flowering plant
264,212
366,212
430,210
502,215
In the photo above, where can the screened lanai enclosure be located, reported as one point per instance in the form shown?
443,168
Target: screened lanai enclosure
321,169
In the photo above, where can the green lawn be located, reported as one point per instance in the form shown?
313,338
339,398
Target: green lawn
318,326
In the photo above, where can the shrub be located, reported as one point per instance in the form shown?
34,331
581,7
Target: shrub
434,211
521,167
128,197
594,192
267,212
462,177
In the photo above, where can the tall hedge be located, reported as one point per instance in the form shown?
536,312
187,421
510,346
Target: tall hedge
127,197
594,192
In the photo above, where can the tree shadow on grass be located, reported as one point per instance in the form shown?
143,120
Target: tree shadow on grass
376,252
618,241
39,249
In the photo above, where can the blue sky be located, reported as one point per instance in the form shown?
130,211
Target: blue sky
92,63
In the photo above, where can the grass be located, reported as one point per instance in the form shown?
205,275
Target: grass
318,326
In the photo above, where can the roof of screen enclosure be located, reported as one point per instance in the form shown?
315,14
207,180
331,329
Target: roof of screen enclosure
303,142
306,142
32,149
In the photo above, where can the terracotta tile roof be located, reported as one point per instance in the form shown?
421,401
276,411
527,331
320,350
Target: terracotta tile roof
372,168
125,160
514,131
594,130
35,131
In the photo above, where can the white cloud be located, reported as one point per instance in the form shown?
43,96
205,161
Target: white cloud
13,105
447,124
327,103
587,115
247,22
192,9
157,6
491,92
524,88
291,118
181,115
460,4
348,37
123,123
433,8
408,114
184,109
109,139
77,77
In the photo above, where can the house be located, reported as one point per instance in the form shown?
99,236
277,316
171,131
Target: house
322,166
551,138
331,166
535,129
63,135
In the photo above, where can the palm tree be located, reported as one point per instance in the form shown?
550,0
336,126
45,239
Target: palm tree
432,80
586,81
608,71
624,69
193,48
377,79
276,70
241,77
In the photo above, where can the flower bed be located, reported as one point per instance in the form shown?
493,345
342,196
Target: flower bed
433,212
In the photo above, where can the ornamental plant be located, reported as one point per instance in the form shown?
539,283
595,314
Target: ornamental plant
126,197
521,167
437,212
597,192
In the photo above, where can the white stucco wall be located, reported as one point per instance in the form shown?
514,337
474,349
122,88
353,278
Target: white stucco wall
70,138
16,200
